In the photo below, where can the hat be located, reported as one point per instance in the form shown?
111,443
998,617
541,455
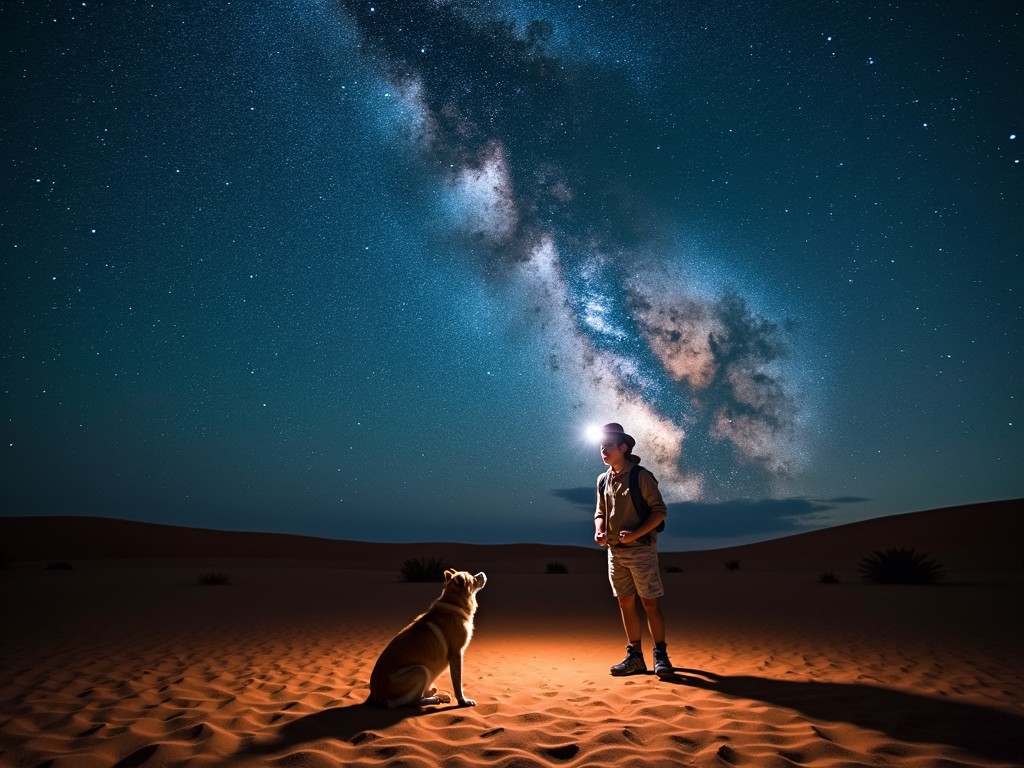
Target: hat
615,429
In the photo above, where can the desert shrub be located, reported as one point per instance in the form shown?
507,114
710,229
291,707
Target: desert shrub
673,569
733,565
828,578
900,566
60,566
423,569
214,578
556,568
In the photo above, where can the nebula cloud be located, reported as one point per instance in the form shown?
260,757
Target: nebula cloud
519,148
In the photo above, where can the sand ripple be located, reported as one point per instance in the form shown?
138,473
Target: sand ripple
272,671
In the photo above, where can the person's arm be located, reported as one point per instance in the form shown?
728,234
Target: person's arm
652,521
600,532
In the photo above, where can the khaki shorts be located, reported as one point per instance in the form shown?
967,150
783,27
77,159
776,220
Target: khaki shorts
634,570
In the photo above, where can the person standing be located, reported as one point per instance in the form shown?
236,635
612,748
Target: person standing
632,548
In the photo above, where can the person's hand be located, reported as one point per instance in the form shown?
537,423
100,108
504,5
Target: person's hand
627,537
601,538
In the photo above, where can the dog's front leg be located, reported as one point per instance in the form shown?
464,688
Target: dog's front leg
455,668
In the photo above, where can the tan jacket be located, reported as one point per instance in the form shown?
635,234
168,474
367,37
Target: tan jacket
616,506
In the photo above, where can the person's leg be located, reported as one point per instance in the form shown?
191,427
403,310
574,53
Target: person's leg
634,662
630,620
656,622
647,577
655,618
624,589
625,592
648,581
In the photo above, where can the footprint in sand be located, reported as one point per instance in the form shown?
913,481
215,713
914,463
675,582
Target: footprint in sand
630,736
684,741
138,757
728,754
565,752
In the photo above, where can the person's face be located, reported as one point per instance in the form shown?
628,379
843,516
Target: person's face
613,453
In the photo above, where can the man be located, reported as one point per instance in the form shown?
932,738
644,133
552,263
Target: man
632,553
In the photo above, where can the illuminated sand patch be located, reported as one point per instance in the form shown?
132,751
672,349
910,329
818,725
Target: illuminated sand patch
111,666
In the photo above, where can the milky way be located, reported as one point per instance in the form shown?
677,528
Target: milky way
520,143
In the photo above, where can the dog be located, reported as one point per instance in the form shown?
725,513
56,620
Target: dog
414,658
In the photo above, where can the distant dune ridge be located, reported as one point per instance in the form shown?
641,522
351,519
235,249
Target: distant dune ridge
977,538
126,661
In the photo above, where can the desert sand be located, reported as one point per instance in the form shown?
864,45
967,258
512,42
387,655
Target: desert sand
126,660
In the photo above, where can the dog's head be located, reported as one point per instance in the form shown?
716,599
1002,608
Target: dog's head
464,580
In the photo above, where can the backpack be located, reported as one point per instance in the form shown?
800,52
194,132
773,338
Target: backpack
639,502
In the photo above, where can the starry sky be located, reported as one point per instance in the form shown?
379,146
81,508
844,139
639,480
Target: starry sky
368,270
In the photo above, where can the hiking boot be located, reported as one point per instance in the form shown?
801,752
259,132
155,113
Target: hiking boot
662,666
633,664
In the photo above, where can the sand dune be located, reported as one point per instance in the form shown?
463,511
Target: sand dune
71,538
985,538
129,662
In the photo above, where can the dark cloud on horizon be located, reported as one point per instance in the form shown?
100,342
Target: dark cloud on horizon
735,517
747,517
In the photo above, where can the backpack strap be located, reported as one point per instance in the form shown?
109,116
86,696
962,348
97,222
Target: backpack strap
639,502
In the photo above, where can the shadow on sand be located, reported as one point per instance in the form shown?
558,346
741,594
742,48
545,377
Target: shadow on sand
351,724
988,733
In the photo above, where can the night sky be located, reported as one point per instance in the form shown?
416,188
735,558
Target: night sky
368,270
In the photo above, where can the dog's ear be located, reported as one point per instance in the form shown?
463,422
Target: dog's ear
459,579
448,574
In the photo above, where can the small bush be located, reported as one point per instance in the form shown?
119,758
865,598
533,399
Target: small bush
556,568
423,569
673,569
900,566
214,578
828,578
61,566
733,565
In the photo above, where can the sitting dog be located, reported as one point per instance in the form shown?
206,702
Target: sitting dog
411,662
